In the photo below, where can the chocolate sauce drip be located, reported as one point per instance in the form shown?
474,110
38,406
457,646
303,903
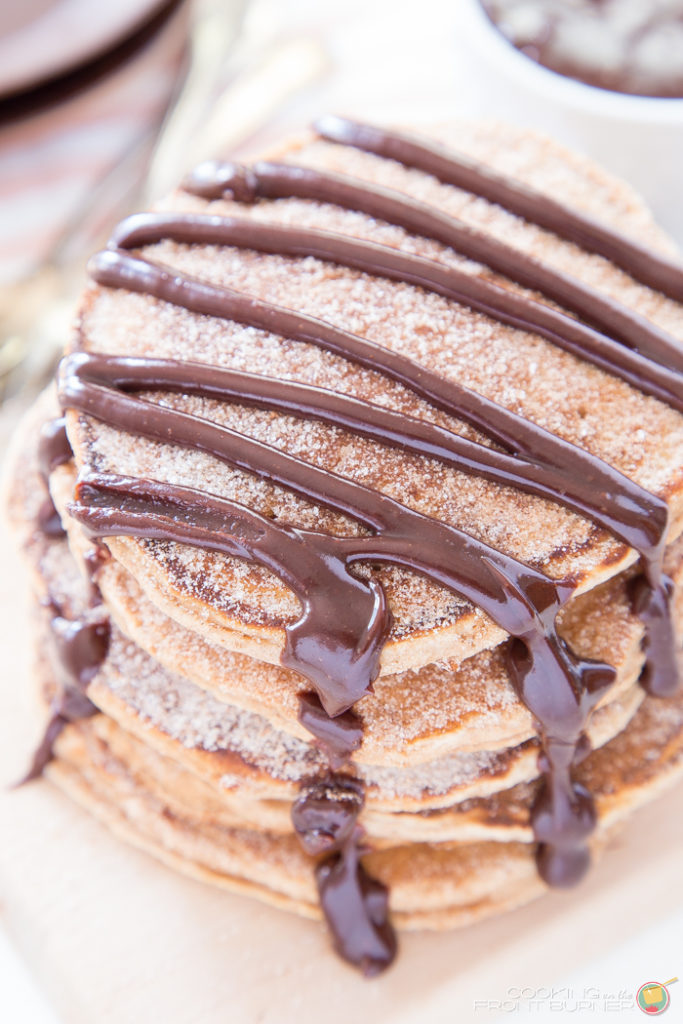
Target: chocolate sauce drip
54,447
94,560
324,814
49,521
54,450
80,648
337,641
515,595
650,268
77,649
44,752
381,260
354,904
69,706
563,815
356,908
279,181
660,676
339,737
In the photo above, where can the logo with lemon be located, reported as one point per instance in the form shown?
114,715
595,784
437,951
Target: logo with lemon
653,997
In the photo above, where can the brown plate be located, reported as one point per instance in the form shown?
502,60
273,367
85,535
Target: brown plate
43,39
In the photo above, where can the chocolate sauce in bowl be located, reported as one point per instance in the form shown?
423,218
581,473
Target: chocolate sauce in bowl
336,643
628,46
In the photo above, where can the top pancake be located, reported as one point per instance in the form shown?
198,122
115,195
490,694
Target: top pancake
245,608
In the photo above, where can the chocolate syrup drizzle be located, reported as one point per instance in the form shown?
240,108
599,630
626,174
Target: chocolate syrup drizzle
337,641
262,180
650,268
383,261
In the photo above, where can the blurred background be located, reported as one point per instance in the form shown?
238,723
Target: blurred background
102,108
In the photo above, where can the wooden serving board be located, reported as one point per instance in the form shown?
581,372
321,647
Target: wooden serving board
112,937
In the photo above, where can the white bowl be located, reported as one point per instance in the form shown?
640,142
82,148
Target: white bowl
640,138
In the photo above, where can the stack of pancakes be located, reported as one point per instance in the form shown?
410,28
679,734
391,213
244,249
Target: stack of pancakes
198,753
